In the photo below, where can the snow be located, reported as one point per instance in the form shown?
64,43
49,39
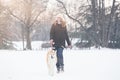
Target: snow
84,64
36,45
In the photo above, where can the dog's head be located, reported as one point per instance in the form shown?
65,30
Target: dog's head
52,52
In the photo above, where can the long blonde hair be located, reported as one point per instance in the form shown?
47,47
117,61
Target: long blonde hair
61,20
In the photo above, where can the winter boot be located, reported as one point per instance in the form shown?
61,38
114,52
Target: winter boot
62,69
58,70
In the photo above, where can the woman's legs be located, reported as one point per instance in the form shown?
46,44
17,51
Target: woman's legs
60,61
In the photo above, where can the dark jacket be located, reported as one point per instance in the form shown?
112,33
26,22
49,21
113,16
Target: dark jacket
59,35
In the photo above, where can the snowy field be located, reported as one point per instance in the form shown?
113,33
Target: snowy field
92,64
36,45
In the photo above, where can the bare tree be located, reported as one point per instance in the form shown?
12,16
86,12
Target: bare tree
91,37
28,13
102,22
5,33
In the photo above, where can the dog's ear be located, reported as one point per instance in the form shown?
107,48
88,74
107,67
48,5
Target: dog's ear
49,51
55,52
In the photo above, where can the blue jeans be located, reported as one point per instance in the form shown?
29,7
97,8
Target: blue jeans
60,61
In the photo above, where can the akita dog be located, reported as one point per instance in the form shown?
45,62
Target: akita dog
51,61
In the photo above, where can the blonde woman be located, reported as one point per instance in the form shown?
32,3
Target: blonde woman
58,36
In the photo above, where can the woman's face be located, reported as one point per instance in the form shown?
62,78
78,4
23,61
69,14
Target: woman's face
59,20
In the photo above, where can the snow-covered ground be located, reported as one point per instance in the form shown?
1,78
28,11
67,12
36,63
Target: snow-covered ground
91,64
36,45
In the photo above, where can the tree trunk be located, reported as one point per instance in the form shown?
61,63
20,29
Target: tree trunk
28,39
95,22
94,13
23,36
101,23
110,24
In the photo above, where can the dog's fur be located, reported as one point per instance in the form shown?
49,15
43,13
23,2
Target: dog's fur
51,61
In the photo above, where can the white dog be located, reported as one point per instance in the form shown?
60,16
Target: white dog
51,61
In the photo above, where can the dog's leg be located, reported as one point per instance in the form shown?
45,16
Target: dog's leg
51,70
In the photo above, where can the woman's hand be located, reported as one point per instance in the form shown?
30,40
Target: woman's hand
70,46
52,42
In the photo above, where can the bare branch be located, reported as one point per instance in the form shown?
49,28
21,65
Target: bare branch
69,15
15,16
36,17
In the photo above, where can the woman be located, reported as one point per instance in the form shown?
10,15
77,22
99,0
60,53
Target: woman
58,36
